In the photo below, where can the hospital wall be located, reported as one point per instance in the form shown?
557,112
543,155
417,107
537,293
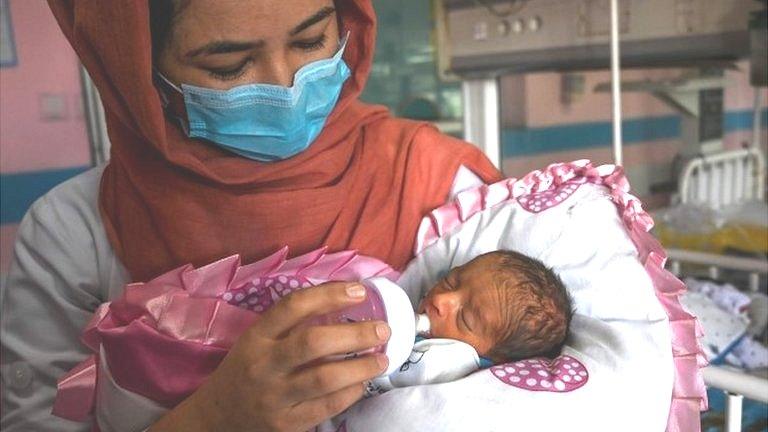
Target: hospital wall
542,125
43,137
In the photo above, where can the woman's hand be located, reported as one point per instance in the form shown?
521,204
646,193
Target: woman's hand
264,383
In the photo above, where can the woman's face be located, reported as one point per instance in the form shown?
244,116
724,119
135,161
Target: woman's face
225,43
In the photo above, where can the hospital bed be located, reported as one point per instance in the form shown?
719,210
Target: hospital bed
735,383
717,181
724,178
720,206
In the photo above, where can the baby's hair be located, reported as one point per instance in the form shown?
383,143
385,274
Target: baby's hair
537,308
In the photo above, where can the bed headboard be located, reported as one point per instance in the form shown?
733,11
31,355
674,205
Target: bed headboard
724,178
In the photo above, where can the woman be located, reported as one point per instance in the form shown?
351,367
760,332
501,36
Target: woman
197,174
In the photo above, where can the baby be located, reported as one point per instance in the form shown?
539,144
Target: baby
506,305
500,307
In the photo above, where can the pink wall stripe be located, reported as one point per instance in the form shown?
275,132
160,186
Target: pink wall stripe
738,139
739,94
545,106
46,74
542,98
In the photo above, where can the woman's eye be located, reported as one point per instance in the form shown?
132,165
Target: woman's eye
311,44
229,74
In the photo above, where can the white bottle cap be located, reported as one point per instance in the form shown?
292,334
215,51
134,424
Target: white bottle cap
422,325
400,319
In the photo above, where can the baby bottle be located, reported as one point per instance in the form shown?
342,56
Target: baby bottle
384,301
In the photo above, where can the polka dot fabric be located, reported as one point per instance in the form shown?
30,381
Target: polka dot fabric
257,287
561,375
261,293
540,201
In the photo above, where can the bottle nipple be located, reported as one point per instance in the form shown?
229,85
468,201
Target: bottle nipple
422,325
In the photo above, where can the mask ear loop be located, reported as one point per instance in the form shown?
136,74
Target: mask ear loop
159,74
162,82
343,40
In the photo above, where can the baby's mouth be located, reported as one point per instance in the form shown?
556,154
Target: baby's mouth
425,307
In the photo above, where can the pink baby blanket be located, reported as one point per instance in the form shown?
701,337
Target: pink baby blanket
163,337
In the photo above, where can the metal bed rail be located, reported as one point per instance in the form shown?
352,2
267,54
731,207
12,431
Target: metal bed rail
734,383
714,263
724,178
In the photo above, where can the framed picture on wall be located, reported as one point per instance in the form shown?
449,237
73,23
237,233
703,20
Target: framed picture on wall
7,44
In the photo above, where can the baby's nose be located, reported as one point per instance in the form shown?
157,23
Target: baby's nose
446,302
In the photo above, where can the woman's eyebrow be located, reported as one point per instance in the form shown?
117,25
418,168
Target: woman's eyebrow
229,46
314,19
224,47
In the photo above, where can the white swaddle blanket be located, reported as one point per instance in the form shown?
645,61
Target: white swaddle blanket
432,361
617,371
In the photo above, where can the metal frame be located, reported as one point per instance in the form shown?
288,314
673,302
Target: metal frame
482,126
618,158
734,383
95,120
724,178
9,38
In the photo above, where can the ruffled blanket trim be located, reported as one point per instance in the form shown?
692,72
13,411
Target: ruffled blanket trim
216,317
689,392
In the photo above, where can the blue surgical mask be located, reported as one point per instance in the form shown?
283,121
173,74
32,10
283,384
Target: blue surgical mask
266,122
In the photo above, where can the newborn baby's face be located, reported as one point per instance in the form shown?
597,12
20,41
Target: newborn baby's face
467,305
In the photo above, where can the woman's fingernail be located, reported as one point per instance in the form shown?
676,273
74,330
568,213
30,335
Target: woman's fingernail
356,291
382,361
382,331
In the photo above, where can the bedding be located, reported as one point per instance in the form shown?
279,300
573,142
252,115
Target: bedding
631,362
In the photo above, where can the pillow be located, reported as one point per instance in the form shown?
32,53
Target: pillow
632,346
